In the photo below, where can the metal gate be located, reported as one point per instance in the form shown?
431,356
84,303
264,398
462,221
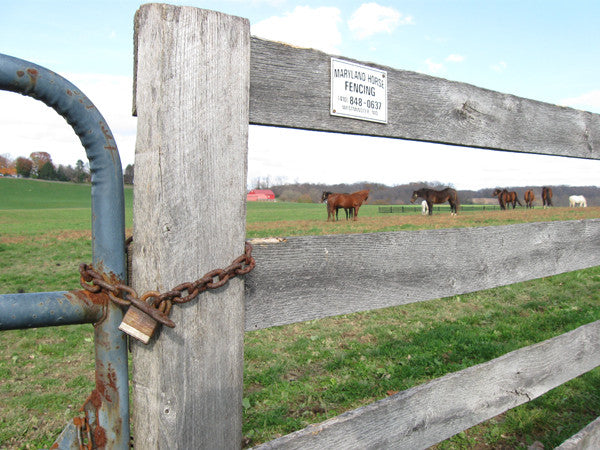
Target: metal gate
104,422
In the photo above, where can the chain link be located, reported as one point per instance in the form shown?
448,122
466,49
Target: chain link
157,305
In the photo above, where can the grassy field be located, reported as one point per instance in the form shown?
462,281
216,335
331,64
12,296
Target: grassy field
301,373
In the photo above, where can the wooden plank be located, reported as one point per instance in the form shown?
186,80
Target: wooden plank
429,413
309,277
189,218
290,87
587,438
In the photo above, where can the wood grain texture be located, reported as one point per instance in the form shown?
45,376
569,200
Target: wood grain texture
434,411
290,87
189,218
588,438
309,277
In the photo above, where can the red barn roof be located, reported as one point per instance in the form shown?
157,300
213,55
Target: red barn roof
257,195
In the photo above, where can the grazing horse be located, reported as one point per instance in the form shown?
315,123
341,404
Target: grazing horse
346,201
348,211
432,197
529,198
506,198
577,200
546,196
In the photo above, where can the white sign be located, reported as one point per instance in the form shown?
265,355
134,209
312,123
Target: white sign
357,91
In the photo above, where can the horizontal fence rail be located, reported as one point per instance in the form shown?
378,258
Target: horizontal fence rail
310,277
434,411
290,87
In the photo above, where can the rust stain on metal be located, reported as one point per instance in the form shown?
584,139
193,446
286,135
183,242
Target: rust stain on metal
78,421
90,298
100,437
95,399
105,388
112,378
20,73
94,402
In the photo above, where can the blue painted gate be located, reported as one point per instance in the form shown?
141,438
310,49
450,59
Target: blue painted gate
104,422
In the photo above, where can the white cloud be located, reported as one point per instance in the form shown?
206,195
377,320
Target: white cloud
371,18
499,67
305,27
455,58
434,67
589,101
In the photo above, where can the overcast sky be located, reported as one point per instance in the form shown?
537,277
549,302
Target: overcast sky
545,50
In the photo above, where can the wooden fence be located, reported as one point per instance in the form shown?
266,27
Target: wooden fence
200,80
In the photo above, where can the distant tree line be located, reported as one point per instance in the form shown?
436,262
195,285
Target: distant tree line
39,165
400,195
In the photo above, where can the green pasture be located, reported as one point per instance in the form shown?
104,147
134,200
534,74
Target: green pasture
301,373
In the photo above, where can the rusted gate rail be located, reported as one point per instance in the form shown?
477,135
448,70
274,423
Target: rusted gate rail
105,415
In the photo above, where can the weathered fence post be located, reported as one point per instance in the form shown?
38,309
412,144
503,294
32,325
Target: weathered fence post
192,90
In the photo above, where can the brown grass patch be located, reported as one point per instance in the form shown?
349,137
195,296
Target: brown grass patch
439,220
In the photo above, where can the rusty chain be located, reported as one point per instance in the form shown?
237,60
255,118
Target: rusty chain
160,305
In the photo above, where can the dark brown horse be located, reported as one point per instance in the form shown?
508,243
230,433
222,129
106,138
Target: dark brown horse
346,201
547,196
349,211
498,193
505,198
431,196
529,198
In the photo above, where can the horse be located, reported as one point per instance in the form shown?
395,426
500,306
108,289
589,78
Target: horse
499,193
577,200
546,196
348,211
424,208
529,198
506,198
432,197
346,201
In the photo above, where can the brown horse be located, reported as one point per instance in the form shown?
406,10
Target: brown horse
498,193
349,211
346,201
547,196
529,198
431,196
505,198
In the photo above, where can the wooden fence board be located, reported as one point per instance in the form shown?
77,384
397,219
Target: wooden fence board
434,411
290,87
189,218
309,277
588,438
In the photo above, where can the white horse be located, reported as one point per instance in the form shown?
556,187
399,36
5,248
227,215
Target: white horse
424,208
577,200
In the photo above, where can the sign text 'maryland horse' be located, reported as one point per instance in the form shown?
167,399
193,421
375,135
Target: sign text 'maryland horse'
358,91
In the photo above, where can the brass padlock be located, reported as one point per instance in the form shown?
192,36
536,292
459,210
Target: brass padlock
138,324
142,319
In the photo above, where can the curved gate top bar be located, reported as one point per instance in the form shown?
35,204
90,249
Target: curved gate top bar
107,408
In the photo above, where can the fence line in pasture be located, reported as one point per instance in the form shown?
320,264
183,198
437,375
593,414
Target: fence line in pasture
414,209
200,80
